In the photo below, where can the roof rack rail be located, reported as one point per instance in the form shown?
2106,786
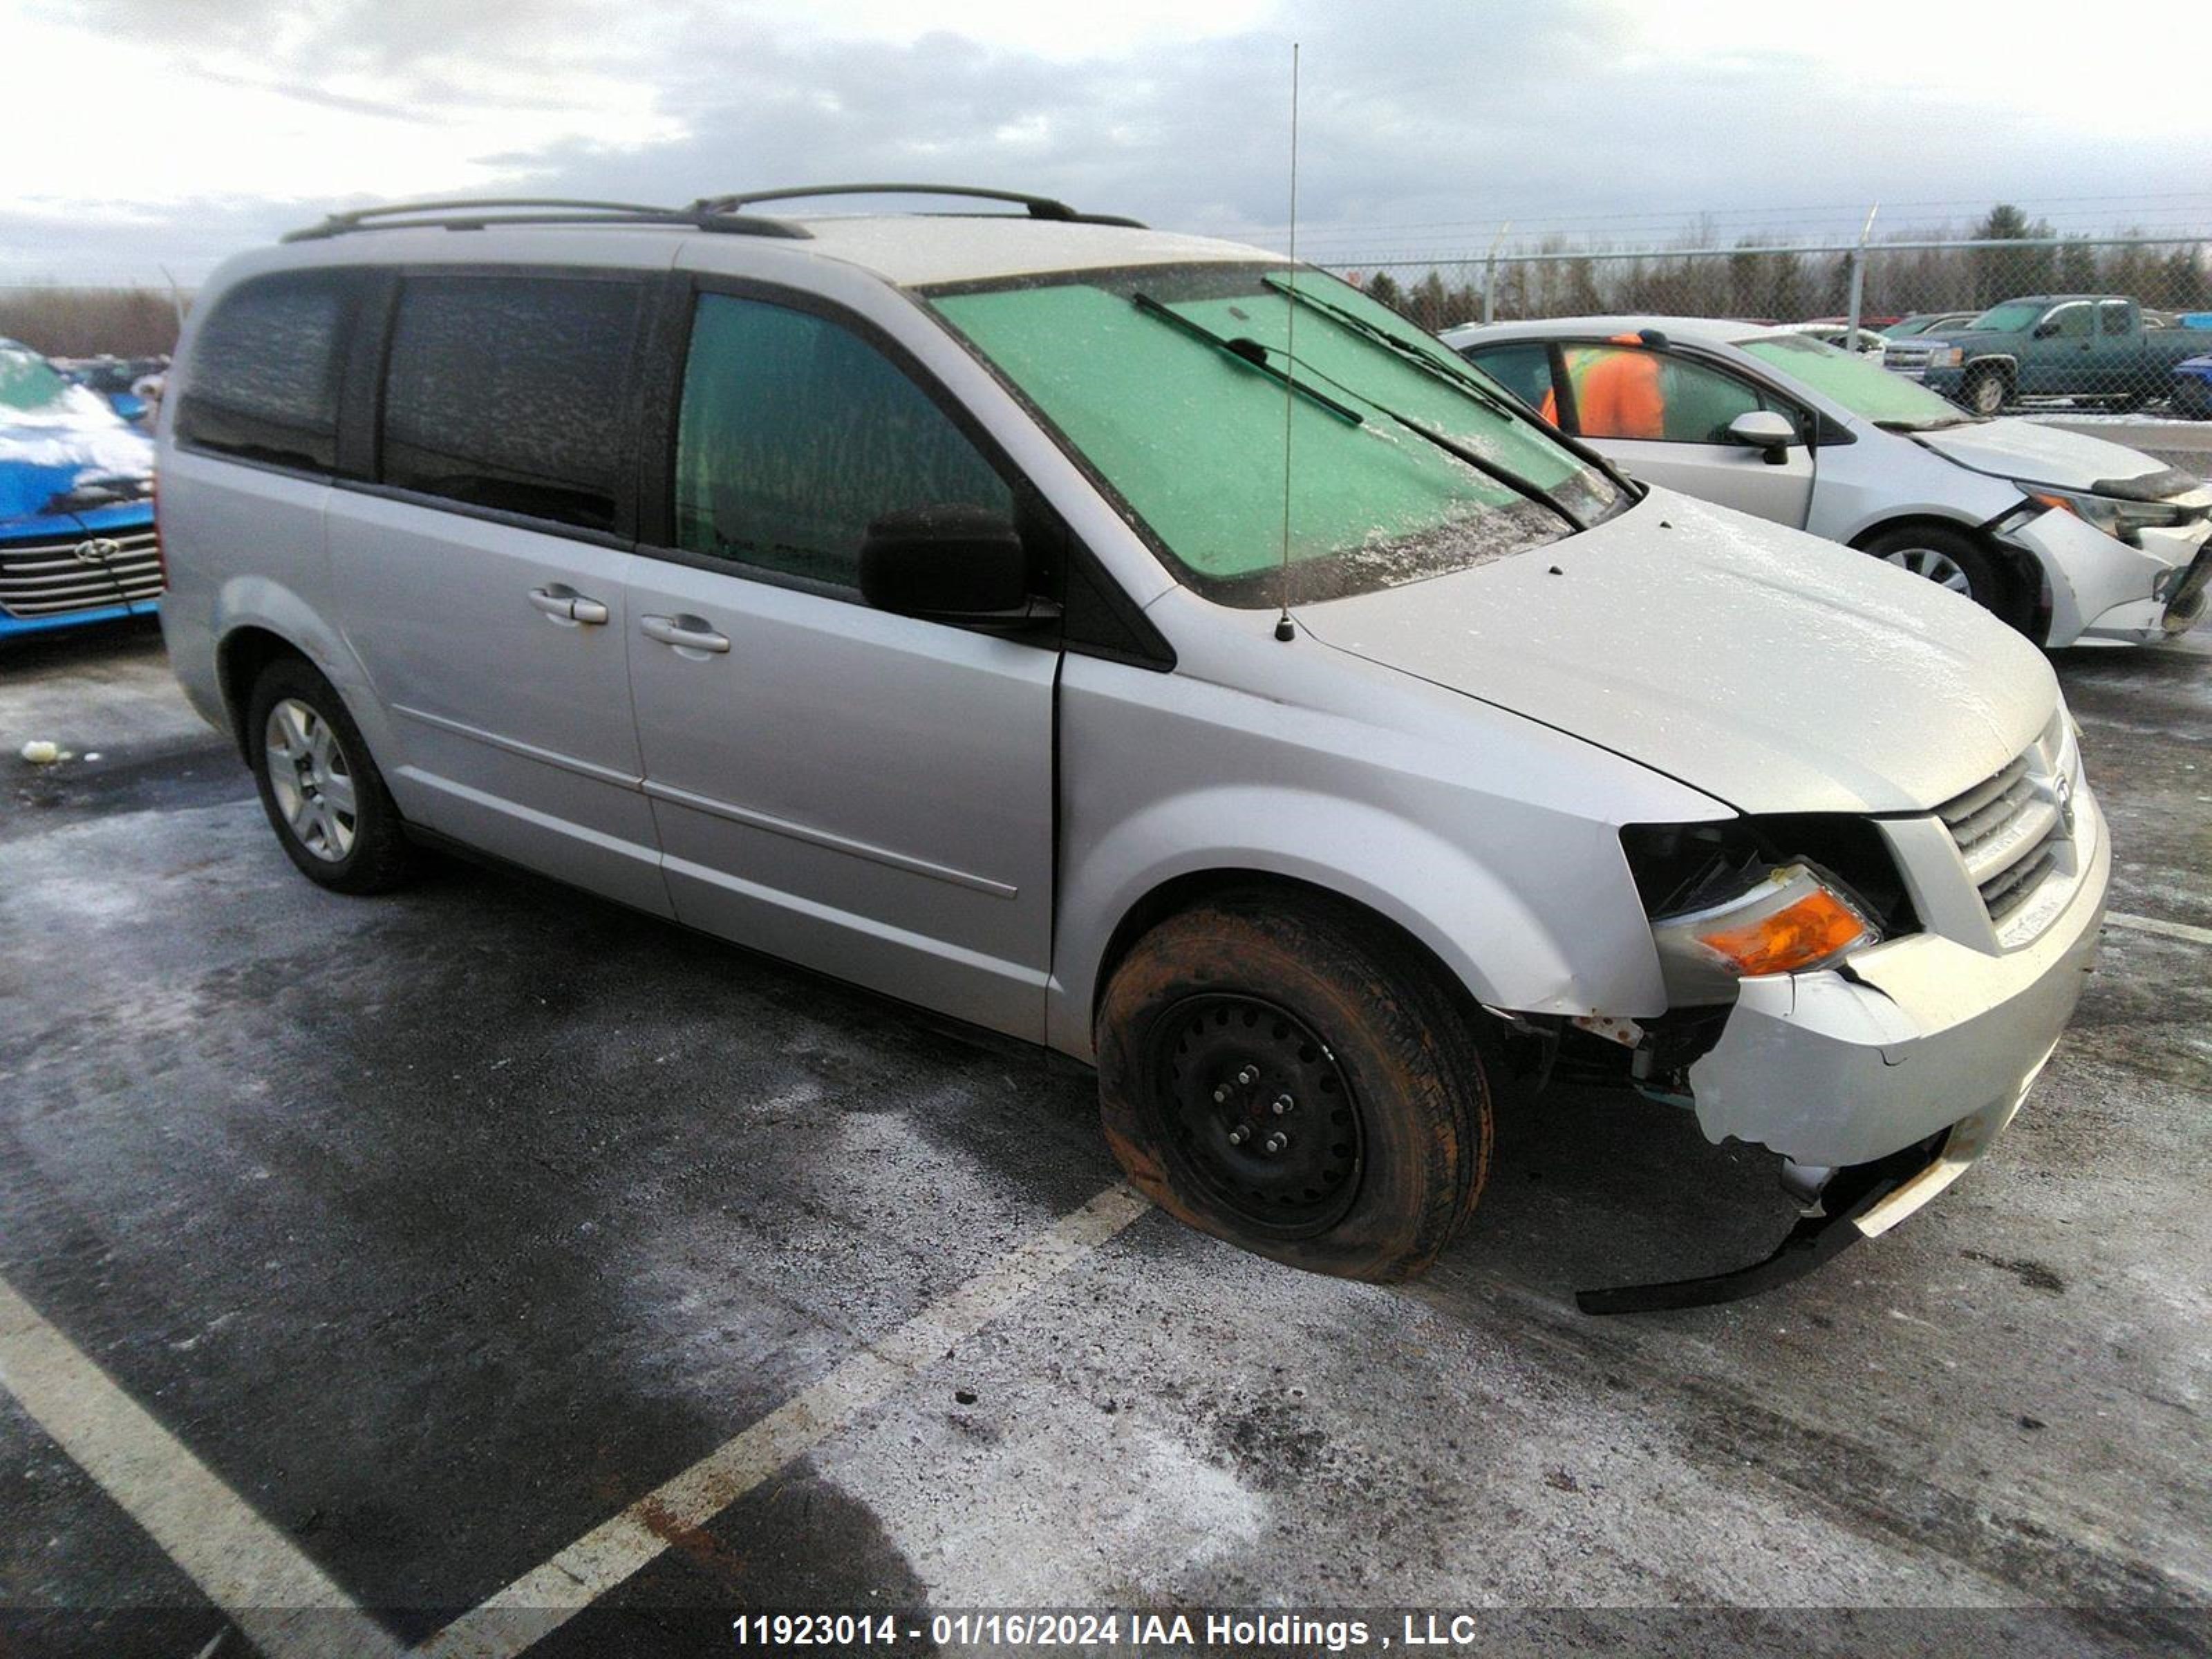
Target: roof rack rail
476,215
1040,207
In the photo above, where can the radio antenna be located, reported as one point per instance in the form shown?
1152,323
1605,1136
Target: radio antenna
1284,629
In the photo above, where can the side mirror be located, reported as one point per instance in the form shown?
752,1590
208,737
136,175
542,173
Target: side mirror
1764,430
947,562
2045,329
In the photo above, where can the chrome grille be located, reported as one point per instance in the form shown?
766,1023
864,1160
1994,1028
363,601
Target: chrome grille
47,578
2008,832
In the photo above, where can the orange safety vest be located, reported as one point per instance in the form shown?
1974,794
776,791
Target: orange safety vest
1617,393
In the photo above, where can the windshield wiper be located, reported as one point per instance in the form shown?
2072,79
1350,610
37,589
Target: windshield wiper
1247,351
1255,354
1943,425
1464,380
1512,480
1497,471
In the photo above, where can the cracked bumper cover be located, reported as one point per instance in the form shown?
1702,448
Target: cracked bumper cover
1915,1035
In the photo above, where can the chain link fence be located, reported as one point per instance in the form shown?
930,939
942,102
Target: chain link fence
2071,328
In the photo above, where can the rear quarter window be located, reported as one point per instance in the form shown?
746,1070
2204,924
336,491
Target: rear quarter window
265,370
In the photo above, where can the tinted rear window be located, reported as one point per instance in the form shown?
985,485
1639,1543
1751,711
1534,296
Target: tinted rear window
513,393
265,370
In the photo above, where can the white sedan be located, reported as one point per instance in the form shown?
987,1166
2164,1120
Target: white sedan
2071,538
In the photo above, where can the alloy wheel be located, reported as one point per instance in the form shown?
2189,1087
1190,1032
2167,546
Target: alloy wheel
311,779
1936,566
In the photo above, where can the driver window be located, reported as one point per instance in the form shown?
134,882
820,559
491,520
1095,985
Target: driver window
1626,391
796,434
2071,322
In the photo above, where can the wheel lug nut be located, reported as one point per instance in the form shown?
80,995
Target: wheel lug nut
1240,1134
1276,1142
1221,1094
1247,1074
1283,1105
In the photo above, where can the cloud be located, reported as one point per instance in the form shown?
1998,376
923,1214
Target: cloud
1425,122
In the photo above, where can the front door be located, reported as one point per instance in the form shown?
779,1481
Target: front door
1664,418
483,580
2061,351
864,793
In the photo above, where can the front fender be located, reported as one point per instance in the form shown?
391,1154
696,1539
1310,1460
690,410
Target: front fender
1429,888
1493,841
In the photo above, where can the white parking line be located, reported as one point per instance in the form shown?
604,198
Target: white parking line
2164,929
544,1599
285,1603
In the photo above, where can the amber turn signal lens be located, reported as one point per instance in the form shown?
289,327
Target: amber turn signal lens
1816,928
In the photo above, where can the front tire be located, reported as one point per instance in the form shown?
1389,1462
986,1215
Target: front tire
323,796
1985,391
1952,560
1280,1071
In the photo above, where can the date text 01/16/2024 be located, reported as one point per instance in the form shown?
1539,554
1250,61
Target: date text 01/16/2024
1167,1632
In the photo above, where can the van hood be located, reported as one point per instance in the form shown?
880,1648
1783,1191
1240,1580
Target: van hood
1767,668
2034,453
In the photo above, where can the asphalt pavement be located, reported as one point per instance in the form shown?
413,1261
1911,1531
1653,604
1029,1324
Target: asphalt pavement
485,1266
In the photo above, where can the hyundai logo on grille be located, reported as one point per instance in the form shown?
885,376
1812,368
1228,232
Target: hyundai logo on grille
99,550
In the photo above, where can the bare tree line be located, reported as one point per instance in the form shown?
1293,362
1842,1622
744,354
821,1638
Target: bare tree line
1792,286
88,322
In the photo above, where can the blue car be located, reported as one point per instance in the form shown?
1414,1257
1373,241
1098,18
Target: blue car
2192,388
76,507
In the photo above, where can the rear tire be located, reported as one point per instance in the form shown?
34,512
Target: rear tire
323,796
1953,560
1256,998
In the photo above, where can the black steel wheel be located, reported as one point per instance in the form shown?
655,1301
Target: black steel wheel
1255,1109
1291,1074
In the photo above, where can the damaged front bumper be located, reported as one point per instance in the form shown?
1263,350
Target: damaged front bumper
1884,1079
2107,592
1863,1201
1849,1064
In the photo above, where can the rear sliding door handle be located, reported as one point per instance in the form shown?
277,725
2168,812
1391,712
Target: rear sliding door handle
564,603
684,633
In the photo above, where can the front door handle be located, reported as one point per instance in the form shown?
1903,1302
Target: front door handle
684,633
564,603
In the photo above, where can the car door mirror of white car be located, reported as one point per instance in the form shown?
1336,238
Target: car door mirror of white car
1765,431
947,562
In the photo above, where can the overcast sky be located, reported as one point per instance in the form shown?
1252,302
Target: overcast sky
174,131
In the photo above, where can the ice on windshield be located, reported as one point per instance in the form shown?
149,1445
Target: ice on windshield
1859,384
1191,437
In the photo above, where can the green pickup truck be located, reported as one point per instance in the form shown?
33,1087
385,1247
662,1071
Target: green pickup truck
2082,346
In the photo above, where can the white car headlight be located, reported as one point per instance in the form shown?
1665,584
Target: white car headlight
2122,520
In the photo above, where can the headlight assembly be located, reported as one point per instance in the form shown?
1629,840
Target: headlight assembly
1789,919
1743,897
2122,520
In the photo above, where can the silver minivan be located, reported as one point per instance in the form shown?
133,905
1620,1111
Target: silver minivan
1138,645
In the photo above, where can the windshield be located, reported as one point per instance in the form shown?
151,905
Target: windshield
2010,317
1859,384
1170,382
29,385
